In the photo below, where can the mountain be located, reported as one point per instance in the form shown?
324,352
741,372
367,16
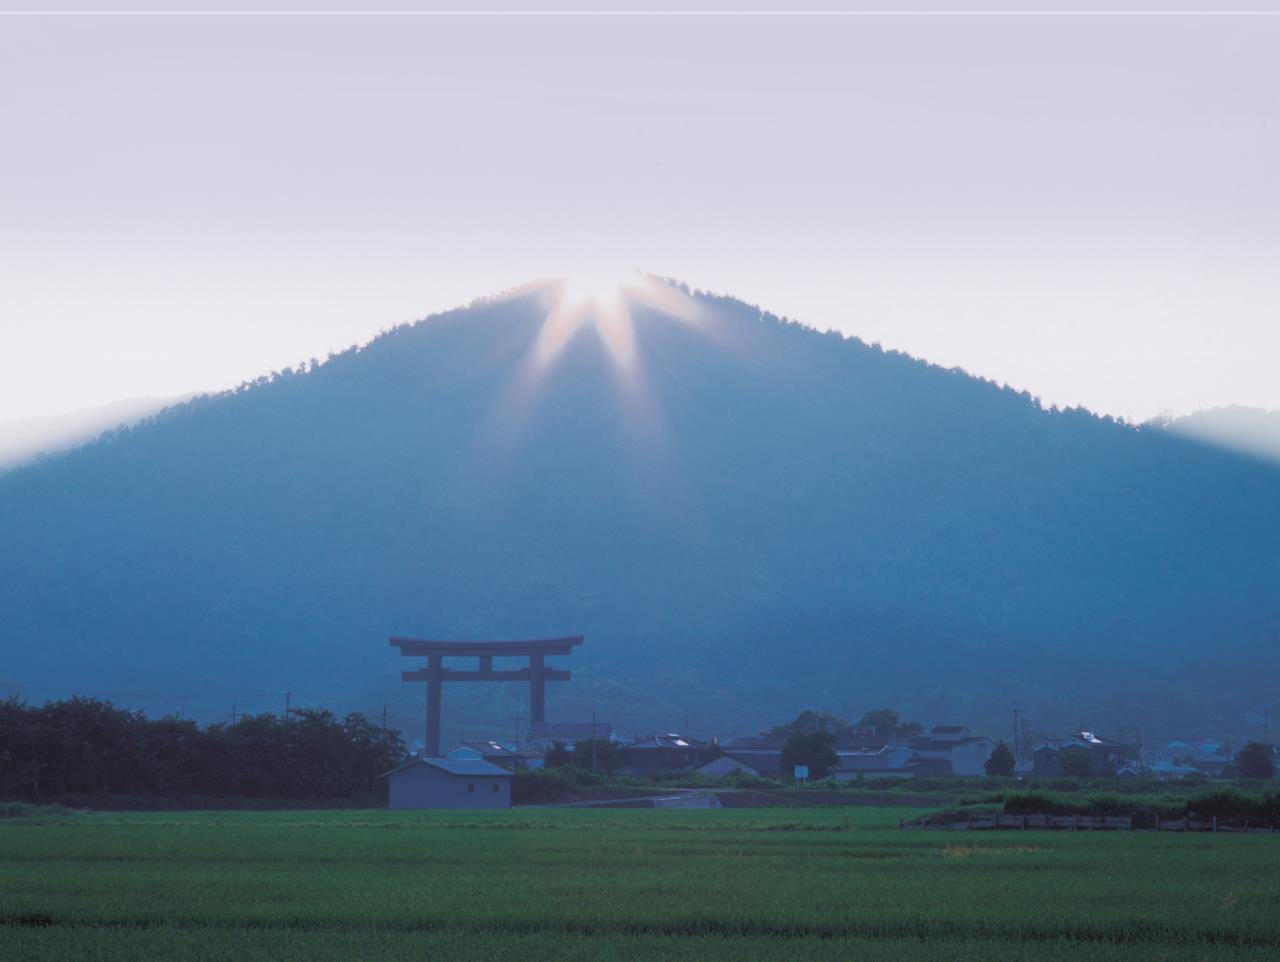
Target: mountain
744,516
26,439
1251,431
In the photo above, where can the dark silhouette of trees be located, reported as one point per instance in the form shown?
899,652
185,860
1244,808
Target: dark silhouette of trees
815,749
1001,761
1256,760
884,721
809,721
557,756
1075,762
83,746
610,756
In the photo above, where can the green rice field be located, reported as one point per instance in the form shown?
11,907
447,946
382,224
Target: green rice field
625,884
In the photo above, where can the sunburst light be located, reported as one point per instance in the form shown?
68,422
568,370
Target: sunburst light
602,298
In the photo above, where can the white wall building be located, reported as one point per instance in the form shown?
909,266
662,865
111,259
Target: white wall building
449,783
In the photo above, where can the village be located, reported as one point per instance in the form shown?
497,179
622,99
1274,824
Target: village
816,746
944,751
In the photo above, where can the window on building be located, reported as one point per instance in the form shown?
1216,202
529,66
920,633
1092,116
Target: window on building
494,786
471,786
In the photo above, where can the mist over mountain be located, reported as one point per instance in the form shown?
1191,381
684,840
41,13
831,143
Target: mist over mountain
26,439
1251,431
754,517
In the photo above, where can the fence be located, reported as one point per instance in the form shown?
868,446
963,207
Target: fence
1093,823
1022,822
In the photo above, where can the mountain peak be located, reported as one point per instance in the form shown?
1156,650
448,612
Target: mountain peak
742,514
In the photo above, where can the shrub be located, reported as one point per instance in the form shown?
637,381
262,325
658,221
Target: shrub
542,785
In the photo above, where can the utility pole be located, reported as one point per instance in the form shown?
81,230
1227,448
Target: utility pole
1017,751
1266,726
233,714
593,742
286,707
384,718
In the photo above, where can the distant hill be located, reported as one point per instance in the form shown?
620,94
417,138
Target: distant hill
1251,431
26,439
756,519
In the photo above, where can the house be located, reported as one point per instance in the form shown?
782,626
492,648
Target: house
545,734
761,752
888,761
449,783
490,752
1213,765
723,765
949,749
966,754
1106,755
1162,770
534,757
1046,760
664,753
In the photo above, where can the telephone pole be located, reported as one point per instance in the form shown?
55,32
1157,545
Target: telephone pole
1017,751
384,718
1266,726
593,743
286,706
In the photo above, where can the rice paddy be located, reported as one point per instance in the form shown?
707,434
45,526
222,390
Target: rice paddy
625,884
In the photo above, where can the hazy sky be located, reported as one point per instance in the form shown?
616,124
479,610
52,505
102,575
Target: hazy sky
1085,207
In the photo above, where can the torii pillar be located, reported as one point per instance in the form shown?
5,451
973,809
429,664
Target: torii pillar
435,674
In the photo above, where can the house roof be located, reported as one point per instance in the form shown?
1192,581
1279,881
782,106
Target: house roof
671,740
950,729
1099,741
741,763
944,744
766,763
1086,740
490,749
867,761
775,743
754,743
456,766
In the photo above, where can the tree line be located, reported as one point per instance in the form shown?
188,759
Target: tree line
84,746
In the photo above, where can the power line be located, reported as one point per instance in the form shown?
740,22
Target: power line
188,695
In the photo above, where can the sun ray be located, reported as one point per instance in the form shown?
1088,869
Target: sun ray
602,299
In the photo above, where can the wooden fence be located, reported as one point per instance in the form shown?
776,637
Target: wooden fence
1093,823
1068,822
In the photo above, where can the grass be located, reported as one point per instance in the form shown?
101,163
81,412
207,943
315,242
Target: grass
629,884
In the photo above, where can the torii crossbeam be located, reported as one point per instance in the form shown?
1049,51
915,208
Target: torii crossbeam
537,674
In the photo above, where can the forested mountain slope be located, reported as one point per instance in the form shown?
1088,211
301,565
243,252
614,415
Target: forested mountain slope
753,518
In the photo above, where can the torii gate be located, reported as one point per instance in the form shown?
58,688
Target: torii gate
537,674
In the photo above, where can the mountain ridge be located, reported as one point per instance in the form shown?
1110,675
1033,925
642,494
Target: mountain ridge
752,522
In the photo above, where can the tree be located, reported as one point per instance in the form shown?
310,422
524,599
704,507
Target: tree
817,750
610,756
1256,760
1001,761
85,746
557,756
884,721
810,721
1075,762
